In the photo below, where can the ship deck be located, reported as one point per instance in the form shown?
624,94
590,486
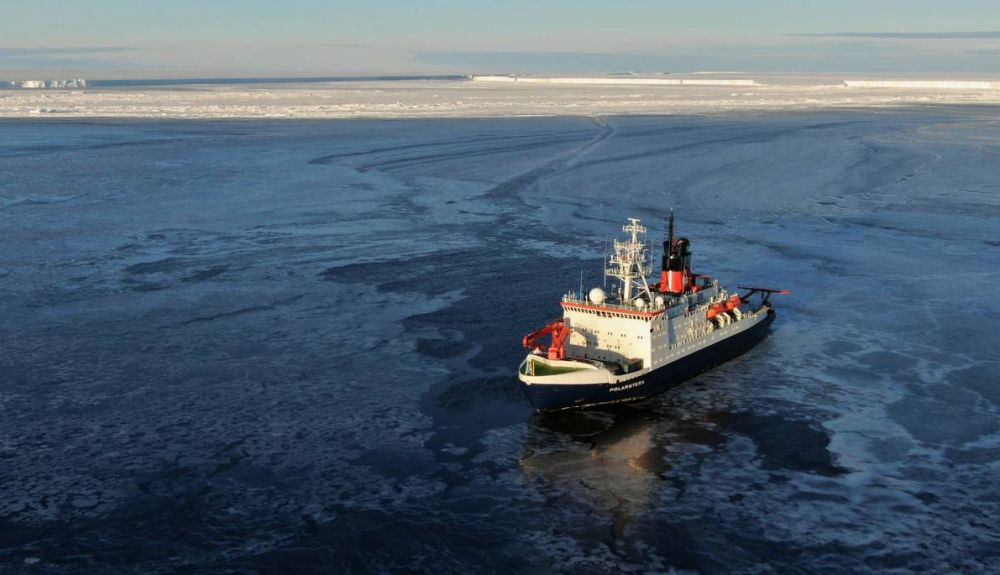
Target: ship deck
542,368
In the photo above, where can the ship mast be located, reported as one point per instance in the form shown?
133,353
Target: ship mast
628,261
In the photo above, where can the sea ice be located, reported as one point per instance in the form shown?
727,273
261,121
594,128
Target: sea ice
501,97
255,344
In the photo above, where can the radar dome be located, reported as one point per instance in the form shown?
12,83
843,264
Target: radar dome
596,295
659,301
639,303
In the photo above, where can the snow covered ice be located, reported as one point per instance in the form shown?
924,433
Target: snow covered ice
249,345
527,96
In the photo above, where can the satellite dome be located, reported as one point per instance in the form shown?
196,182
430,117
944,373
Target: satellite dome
596,296
639,302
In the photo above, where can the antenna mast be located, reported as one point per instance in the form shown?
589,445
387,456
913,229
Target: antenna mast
628,261
670,234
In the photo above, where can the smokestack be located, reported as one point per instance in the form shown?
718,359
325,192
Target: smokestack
670,234
668,248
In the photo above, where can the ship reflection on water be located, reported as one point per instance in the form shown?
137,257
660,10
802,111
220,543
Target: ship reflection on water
616,459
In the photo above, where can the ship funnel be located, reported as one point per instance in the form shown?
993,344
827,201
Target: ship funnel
669,242
675,274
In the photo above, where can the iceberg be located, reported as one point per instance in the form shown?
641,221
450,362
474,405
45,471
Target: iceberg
41,84
599,80
925,84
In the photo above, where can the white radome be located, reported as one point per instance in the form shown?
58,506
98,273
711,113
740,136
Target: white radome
597,296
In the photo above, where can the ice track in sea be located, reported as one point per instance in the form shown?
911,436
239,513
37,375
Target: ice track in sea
280,346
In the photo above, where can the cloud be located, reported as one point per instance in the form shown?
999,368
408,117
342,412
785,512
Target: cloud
65,57
342,45
817,55
65,50
906,35
546,61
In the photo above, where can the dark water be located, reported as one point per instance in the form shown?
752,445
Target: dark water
270,347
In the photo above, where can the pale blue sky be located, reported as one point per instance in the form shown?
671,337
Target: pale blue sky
120,37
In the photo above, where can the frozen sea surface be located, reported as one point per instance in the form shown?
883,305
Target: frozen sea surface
438,98
253,346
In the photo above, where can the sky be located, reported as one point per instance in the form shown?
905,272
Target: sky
191,38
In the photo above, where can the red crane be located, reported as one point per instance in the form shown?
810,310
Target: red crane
735,301
559,332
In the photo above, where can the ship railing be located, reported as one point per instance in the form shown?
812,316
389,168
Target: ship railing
608,305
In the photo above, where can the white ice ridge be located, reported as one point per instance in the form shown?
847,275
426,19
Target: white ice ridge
928,84
616,81
483,98
38,84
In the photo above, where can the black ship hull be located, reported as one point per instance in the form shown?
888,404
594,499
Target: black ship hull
555,397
